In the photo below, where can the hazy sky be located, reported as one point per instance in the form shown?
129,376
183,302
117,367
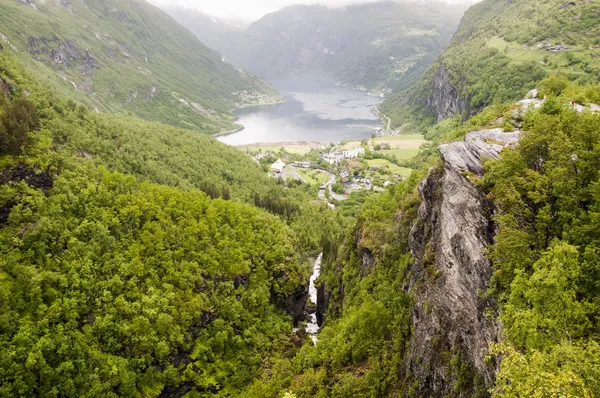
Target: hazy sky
252,10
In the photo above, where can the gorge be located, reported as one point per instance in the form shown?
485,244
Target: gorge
452,250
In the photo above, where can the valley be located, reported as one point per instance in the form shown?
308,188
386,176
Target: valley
300,199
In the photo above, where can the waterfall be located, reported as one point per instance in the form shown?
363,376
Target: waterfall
312,327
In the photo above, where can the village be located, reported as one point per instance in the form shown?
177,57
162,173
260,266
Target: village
344,168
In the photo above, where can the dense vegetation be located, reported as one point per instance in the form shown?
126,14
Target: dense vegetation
138,259
501,49
118,275
545,259
128,56
547,268
378,46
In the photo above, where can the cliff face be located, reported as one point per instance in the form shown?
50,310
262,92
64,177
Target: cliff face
445,99
451,332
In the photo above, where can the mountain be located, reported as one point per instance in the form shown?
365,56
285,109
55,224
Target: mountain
122,55
498,54
378,46
137,258
217,34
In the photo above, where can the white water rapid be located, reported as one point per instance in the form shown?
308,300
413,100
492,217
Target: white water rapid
312,327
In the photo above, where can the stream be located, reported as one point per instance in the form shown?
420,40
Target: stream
312,327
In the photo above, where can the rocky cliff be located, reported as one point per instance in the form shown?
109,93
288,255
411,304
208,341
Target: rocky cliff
451,332
445,99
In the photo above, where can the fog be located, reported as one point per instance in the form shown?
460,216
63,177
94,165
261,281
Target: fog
249,11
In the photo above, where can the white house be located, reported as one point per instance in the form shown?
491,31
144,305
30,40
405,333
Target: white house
277,167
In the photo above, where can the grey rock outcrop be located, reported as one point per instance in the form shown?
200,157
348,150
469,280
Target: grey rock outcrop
451,332
445,99
468,155
592,108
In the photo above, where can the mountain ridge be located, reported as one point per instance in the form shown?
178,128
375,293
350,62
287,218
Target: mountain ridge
129,56
497,56
378,46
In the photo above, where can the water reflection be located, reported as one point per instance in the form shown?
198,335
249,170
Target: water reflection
314,111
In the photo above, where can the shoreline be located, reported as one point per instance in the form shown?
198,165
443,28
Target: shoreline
283,100
228,132
289,146
246,106
387,122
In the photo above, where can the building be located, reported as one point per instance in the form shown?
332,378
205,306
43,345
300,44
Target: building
354,153
304,165
336,157
277,167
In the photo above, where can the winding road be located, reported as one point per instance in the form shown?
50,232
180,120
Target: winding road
328,185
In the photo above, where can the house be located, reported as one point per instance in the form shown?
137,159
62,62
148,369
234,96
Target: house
336,157
277,167
304,165
353,153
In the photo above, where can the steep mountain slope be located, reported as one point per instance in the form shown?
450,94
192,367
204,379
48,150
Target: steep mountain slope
383,46
118,275
215,33
498,53
128,56
479,275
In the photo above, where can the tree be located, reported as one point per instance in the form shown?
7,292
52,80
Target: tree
543,308
18,119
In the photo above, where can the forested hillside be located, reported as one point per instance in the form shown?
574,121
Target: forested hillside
518,239
378,46
139,259
501,49
128,56
119,276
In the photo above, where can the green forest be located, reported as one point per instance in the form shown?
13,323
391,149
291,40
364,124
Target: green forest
545,281
122,56
139,258
500,51
134,259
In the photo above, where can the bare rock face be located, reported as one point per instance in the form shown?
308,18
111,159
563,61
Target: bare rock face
61,54
445,100
467,155
451,332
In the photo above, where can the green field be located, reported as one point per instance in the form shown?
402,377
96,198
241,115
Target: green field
394,169
400,154
313,177
409,141
560,61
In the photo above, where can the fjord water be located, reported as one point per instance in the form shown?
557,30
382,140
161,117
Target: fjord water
314,111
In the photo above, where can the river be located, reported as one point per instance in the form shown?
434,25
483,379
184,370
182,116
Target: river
314,111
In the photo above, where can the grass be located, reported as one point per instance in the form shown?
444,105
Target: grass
394,169
313,177
553,62
400,154
298,148
352,145
410,141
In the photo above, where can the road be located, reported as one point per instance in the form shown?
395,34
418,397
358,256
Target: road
381,115
328,185
294,173
322,188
